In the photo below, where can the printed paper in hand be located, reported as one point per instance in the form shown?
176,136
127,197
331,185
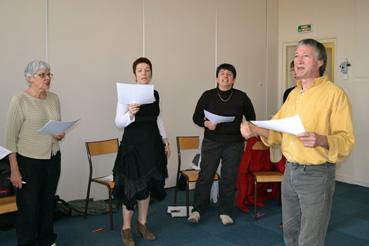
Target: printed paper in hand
135,93
107,178
4,152
218,118
54,127
292,125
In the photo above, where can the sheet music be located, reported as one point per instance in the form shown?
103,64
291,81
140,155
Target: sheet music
4,152
218,118
292,125
54,127
178,211
135,93
107,178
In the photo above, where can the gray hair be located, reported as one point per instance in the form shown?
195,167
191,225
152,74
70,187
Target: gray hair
34,66
321,53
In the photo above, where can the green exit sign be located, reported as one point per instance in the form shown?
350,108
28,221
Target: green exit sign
304,28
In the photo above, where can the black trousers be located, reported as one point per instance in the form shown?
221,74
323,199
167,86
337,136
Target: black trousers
36,200
211,154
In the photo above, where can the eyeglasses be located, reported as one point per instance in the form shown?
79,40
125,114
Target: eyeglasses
43,75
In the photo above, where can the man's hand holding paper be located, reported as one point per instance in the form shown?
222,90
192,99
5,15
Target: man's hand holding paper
312,140
292,125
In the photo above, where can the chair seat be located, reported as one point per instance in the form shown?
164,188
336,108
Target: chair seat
264,177
268,176
193,175
8,204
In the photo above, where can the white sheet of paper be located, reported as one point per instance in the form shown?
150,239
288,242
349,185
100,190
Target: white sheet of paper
292,125
218,118
135,93
54,127
4,152
107,178
178,211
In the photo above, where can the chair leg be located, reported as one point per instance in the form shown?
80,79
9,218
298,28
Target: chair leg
110,210
280,194
188,199
255,196
87,198
175,194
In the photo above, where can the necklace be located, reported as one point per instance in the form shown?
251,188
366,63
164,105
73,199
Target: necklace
226,99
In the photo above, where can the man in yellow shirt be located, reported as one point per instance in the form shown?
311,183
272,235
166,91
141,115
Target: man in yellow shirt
309,179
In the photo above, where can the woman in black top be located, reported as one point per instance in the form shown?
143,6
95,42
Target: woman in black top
141,165
222,141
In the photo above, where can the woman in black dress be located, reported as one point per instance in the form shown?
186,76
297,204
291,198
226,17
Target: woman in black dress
141,165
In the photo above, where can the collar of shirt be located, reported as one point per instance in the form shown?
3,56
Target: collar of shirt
318,81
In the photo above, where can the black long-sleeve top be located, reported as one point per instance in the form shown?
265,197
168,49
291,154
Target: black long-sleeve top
225,103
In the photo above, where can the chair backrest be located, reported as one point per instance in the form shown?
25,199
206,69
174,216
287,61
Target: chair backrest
186,143
101,147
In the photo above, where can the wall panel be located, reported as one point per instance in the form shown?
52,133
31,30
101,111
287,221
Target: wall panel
361,22
180,41
242,42
22,40
92,45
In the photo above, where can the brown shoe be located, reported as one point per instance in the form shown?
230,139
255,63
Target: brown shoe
127,237
144,231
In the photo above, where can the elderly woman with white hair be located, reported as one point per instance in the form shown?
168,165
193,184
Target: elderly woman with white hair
35,157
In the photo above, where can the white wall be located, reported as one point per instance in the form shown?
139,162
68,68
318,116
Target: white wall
272,87
346,22
91,44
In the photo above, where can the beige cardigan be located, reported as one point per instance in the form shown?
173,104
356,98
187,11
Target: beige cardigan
26,116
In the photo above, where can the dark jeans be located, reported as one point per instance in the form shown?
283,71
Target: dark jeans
36,200
211,154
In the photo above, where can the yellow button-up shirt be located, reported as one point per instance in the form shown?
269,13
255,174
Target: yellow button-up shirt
325,109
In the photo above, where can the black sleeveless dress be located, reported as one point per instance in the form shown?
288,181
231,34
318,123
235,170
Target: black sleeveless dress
140,168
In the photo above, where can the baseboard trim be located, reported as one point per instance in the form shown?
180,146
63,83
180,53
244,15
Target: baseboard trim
349,180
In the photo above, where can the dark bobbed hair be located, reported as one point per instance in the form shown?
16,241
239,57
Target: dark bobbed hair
320,51
141,60
228,67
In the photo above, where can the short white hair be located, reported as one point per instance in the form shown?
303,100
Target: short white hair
34,66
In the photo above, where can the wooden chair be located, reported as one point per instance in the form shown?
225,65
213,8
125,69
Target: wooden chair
263,176
191,175
97,148
8,204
